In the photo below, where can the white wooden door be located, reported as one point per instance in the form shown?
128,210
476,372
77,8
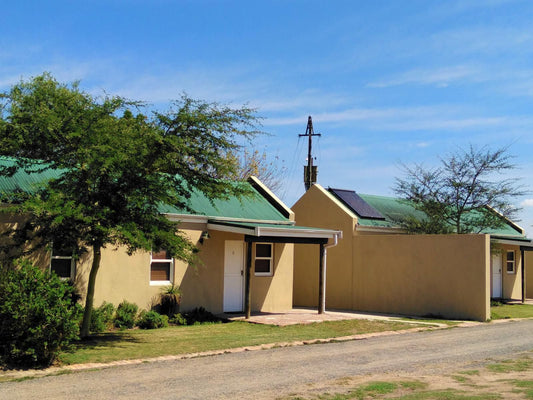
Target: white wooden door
233,275
496,276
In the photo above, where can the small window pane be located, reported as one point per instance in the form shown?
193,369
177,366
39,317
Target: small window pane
61,267
263,250
510,256
262,266
160,271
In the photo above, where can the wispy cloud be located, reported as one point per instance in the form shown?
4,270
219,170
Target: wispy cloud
400,119
440,77
527,203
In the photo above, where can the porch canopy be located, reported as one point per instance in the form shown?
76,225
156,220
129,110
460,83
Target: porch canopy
525,245
280,233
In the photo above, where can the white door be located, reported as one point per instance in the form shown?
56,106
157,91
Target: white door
496,276
233,275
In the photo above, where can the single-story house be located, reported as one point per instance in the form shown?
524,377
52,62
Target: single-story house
379,268
246,255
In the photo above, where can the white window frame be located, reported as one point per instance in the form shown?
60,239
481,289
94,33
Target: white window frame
161,260
270,259
513,262
72,264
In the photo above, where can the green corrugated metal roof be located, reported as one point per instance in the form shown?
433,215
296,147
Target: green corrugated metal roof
22,181
394,209
255,207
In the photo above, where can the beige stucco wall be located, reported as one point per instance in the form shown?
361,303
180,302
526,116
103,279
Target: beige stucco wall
406,274
511,282
318,209
529,274
127,277
439,275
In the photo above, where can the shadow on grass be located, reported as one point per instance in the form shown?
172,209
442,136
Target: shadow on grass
107,339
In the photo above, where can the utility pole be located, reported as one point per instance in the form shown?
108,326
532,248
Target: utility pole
310,171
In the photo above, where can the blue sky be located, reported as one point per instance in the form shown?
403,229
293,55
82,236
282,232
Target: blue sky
386,82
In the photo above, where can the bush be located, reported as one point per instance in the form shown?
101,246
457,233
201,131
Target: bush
199,316
178,319
102,317
38,316
125,315
170,300
152,320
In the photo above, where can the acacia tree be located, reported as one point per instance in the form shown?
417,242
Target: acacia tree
114,167
465,194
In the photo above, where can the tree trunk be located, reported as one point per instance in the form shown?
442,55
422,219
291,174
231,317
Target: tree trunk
89,299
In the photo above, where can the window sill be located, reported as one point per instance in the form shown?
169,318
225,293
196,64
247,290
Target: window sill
160,283
263,274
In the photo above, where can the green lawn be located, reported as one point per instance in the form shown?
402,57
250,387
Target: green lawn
134,344
506,311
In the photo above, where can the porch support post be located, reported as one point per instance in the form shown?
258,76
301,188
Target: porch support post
322,280
247,303
523,260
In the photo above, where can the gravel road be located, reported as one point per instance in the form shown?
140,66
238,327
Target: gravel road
268,374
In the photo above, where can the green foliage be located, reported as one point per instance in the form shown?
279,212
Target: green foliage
461,195
152,320
126,315
102,317
170,300
178,319
114,164
38,316
196,316
200,315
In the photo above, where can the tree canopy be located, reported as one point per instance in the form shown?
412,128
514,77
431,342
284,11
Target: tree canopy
467,193
254,163
117,163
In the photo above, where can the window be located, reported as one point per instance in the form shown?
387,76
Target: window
62,262
161,267
263,259
510,262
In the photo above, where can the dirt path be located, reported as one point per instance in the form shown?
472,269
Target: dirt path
281,371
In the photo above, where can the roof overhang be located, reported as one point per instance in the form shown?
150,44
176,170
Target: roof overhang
283,233
524,243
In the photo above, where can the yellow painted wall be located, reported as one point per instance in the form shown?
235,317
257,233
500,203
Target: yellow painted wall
274,293
441,275
319,209
405,274
124,277
127,277
529,274
511,282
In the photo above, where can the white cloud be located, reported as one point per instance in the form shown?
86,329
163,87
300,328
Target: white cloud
401,118
527,203
440,77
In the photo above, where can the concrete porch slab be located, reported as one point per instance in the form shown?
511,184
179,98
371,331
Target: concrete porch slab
306,316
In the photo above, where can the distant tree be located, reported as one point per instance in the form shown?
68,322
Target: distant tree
466,194
251,162
116,167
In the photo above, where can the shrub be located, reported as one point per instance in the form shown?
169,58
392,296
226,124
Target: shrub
178,319
170,299
200,315
152,320
102,317
125,315
38,316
